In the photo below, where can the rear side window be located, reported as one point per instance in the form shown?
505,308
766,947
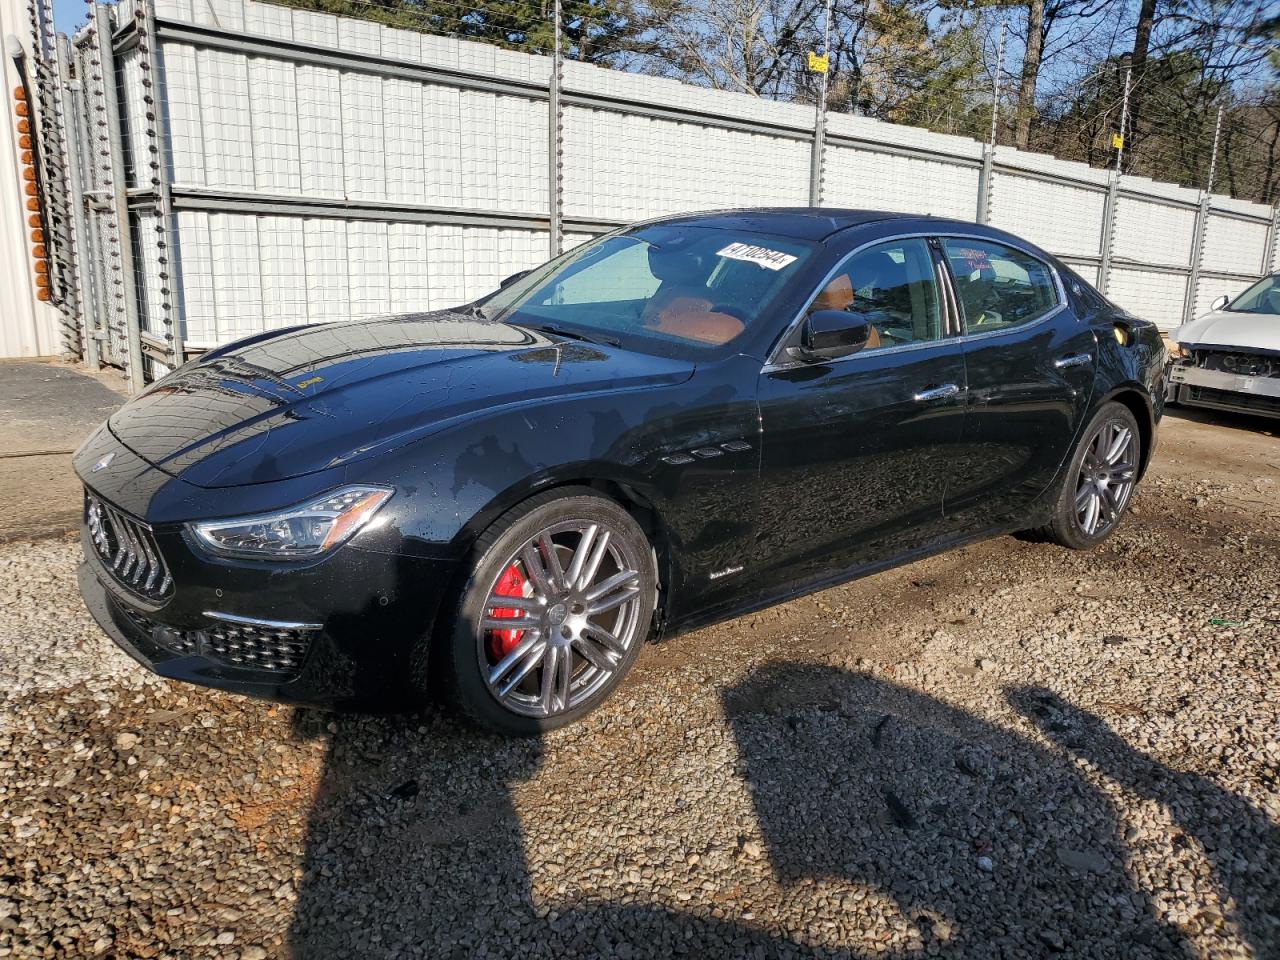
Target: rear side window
999,287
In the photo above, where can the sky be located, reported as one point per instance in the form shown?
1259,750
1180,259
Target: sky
68,15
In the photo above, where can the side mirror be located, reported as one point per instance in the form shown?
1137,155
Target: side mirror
513,278
1221,302
828,334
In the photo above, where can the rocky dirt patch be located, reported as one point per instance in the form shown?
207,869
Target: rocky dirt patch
1007,751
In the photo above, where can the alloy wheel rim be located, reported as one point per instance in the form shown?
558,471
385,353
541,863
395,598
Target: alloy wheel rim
1106,477
568,628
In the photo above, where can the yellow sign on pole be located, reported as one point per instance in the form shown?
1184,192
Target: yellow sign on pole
818,64
1117,141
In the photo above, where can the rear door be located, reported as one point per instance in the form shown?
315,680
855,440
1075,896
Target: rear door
1029,362
856,450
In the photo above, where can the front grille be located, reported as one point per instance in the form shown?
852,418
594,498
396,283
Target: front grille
1243,364
277,648
127,548
1231,400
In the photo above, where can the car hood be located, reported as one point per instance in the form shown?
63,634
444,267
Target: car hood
294,402
1232,330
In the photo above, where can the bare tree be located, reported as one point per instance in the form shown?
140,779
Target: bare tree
1031,61
750,46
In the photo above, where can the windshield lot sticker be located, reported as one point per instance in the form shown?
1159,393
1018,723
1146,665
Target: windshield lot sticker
760,256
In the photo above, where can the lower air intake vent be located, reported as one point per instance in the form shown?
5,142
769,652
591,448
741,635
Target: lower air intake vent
258,646
1231,400
263,645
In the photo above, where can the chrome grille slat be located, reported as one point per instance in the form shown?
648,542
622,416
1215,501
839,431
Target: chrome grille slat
119,531
121,546
149,568
138,568
127,548
129,554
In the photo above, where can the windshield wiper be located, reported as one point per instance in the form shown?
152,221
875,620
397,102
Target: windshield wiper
573,334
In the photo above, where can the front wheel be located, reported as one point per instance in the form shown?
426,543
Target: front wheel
1099,480
558,603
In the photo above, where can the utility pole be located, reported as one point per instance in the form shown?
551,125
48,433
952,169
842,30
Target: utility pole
1124,120
1113,193
1213,155
995,84
555,141
821,65
989,149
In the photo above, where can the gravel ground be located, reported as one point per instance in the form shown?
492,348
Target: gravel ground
1009,751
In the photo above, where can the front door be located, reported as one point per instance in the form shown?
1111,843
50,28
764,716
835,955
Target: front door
855,450
1030,365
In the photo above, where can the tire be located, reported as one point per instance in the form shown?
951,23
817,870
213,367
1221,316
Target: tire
1090,479
510,564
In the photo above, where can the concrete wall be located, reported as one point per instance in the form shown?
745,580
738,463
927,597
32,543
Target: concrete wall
275,130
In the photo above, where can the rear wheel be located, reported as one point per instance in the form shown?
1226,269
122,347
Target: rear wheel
1099,481
558,604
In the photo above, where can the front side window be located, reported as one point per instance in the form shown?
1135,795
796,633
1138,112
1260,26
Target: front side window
676,290
999,287
893,286
1262,297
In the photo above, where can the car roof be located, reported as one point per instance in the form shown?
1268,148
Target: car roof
802,223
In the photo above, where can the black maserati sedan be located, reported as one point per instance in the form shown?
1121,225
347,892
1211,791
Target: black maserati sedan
667,426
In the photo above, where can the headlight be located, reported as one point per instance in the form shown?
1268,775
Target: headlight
307,530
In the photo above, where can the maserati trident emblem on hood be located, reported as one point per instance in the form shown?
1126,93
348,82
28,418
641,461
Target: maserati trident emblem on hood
103,463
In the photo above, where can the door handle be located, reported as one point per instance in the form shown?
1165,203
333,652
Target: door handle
937,393
1073,360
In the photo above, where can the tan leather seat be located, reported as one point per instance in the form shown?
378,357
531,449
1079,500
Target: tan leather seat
838,295
691,318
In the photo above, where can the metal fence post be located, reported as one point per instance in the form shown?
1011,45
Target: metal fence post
989,149
1197,258
39,74
985,177
1112,203
96,298
1108,232
818,153
1201,230
157,129
86,305
555,141
1271,252
119,195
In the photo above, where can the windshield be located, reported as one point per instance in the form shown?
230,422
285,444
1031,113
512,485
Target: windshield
679,291
1262,297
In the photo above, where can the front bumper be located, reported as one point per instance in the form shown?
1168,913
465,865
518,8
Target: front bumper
1220,390
372,615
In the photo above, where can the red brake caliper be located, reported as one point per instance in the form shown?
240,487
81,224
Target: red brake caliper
510,584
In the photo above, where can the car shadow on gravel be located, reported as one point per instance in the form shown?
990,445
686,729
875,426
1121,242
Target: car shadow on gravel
1239,839
892,825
